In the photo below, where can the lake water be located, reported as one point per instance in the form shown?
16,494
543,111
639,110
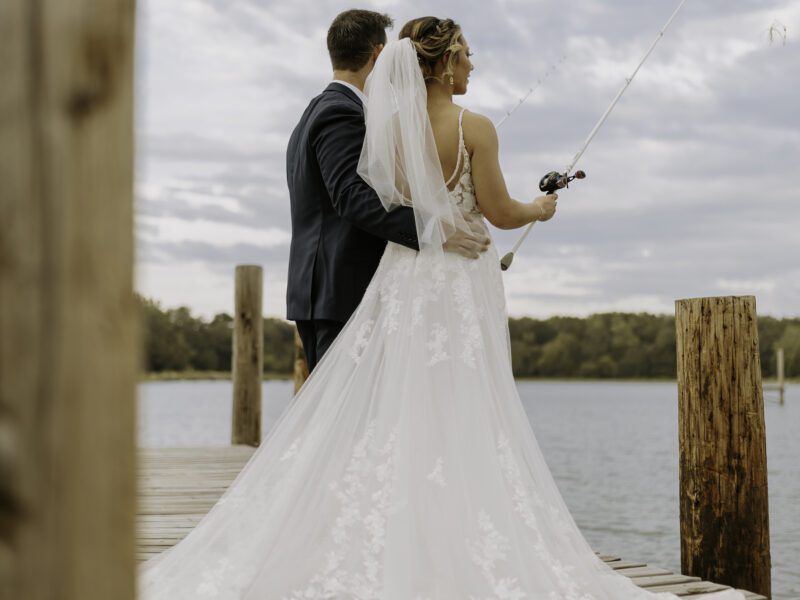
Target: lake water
612,448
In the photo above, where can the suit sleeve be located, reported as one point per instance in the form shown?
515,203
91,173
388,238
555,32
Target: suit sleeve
339,135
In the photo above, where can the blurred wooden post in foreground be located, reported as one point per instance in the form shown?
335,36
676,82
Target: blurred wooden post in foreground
300,364
248,356
68,341
724,510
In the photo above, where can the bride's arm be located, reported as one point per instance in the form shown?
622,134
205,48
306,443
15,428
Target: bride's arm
496,204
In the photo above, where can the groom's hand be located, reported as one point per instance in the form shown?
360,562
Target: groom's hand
469,245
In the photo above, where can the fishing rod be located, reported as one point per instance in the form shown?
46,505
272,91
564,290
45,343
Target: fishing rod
532,89
554,180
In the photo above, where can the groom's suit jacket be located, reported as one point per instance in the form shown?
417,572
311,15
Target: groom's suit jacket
339,226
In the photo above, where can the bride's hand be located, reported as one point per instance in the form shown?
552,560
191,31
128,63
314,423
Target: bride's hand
546,206
469,245
499,208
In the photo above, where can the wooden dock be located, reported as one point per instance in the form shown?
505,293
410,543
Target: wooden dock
177,486
66,282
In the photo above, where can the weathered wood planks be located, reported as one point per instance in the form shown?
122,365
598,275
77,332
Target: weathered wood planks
179,485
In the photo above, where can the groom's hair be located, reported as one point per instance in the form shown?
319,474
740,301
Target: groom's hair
353,35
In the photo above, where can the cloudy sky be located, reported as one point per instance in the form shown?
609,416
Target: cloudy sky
690,187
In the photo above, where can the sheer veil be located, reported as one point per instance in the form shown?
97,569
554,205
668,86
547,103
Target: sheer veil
399,159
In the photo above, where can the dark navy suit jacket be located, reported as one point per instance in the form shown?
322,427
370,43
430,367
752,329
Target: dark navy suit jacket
339,226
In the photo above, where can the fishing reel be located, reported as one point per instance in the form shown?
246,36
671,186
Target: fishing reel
550,183
554,181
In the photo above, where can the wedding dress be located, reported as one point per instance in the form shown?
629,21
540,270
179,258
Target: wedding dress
405,468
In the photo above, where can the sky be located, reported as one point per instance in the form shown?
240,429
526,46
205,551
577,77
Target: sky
690,187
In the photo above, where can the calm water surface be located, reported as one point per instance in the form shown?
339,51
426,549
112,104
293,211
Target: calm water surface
612,448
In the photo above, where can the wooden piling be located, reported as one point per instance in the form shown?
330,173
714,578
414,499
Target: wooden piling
724,511
248,356
300,364
68,341
781,375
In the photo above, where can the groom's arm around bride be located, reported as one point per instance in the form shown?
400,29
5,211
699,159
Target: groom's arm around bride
339,225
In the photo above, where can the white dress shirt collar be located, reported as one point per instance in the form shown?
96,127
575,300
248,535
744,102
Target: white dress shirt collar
358,92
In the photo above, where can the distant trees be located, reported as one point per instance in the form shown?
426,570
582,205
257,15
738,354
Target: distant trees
174,340
166,346
790,342
605,345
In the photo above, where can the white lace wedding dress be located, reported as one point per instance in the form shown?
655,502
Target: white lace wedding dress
405,468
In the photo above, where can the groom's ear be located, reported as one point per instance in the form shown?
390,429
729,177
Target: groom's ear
376,50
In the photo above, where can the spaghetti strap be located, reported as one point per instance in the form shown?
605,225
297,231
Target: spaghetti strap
460,147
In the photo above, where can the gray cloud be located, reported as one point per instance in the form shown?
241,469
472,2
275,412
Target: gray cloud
690,188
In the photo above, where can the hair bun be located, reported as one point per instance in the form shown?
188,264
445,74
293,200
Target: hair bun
433,38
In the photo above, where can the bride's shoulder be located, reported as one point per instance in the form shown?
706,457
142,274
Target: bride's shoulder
478,120
478,129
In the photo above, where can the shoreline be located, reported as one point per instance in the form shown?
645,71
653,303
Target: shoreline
202,376
226,375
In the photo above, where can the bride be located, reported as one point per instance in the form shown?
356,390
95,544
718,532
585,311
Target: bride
406,468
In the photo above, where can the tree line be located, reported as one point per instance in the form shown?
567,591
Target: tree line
605,345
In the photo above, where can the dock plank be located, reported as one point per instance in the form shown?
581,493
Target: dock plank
178,486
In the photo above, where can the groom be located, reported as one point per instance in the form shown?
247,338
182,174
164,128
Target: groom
339,225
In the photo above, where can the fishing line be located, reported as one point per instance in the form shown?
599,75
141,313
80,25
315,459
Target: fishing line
554,180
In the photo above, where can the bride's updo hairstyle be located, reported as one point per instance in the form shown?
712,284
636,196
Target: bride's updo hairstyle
432,38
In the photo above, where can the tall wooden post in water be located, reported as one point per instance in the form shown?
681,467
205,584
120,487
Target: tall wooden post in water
248,356
68,338
724,511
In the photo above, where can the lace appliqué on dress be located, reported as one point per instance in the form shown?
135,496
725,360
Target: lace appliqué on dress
470,329
362,339
436,475
291,452
364,493
438,338
485,552
217,582
524,500
432,279
463,194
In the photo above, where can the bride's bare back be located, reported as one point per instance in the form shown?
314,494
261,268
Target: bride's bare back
444,122
480,138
